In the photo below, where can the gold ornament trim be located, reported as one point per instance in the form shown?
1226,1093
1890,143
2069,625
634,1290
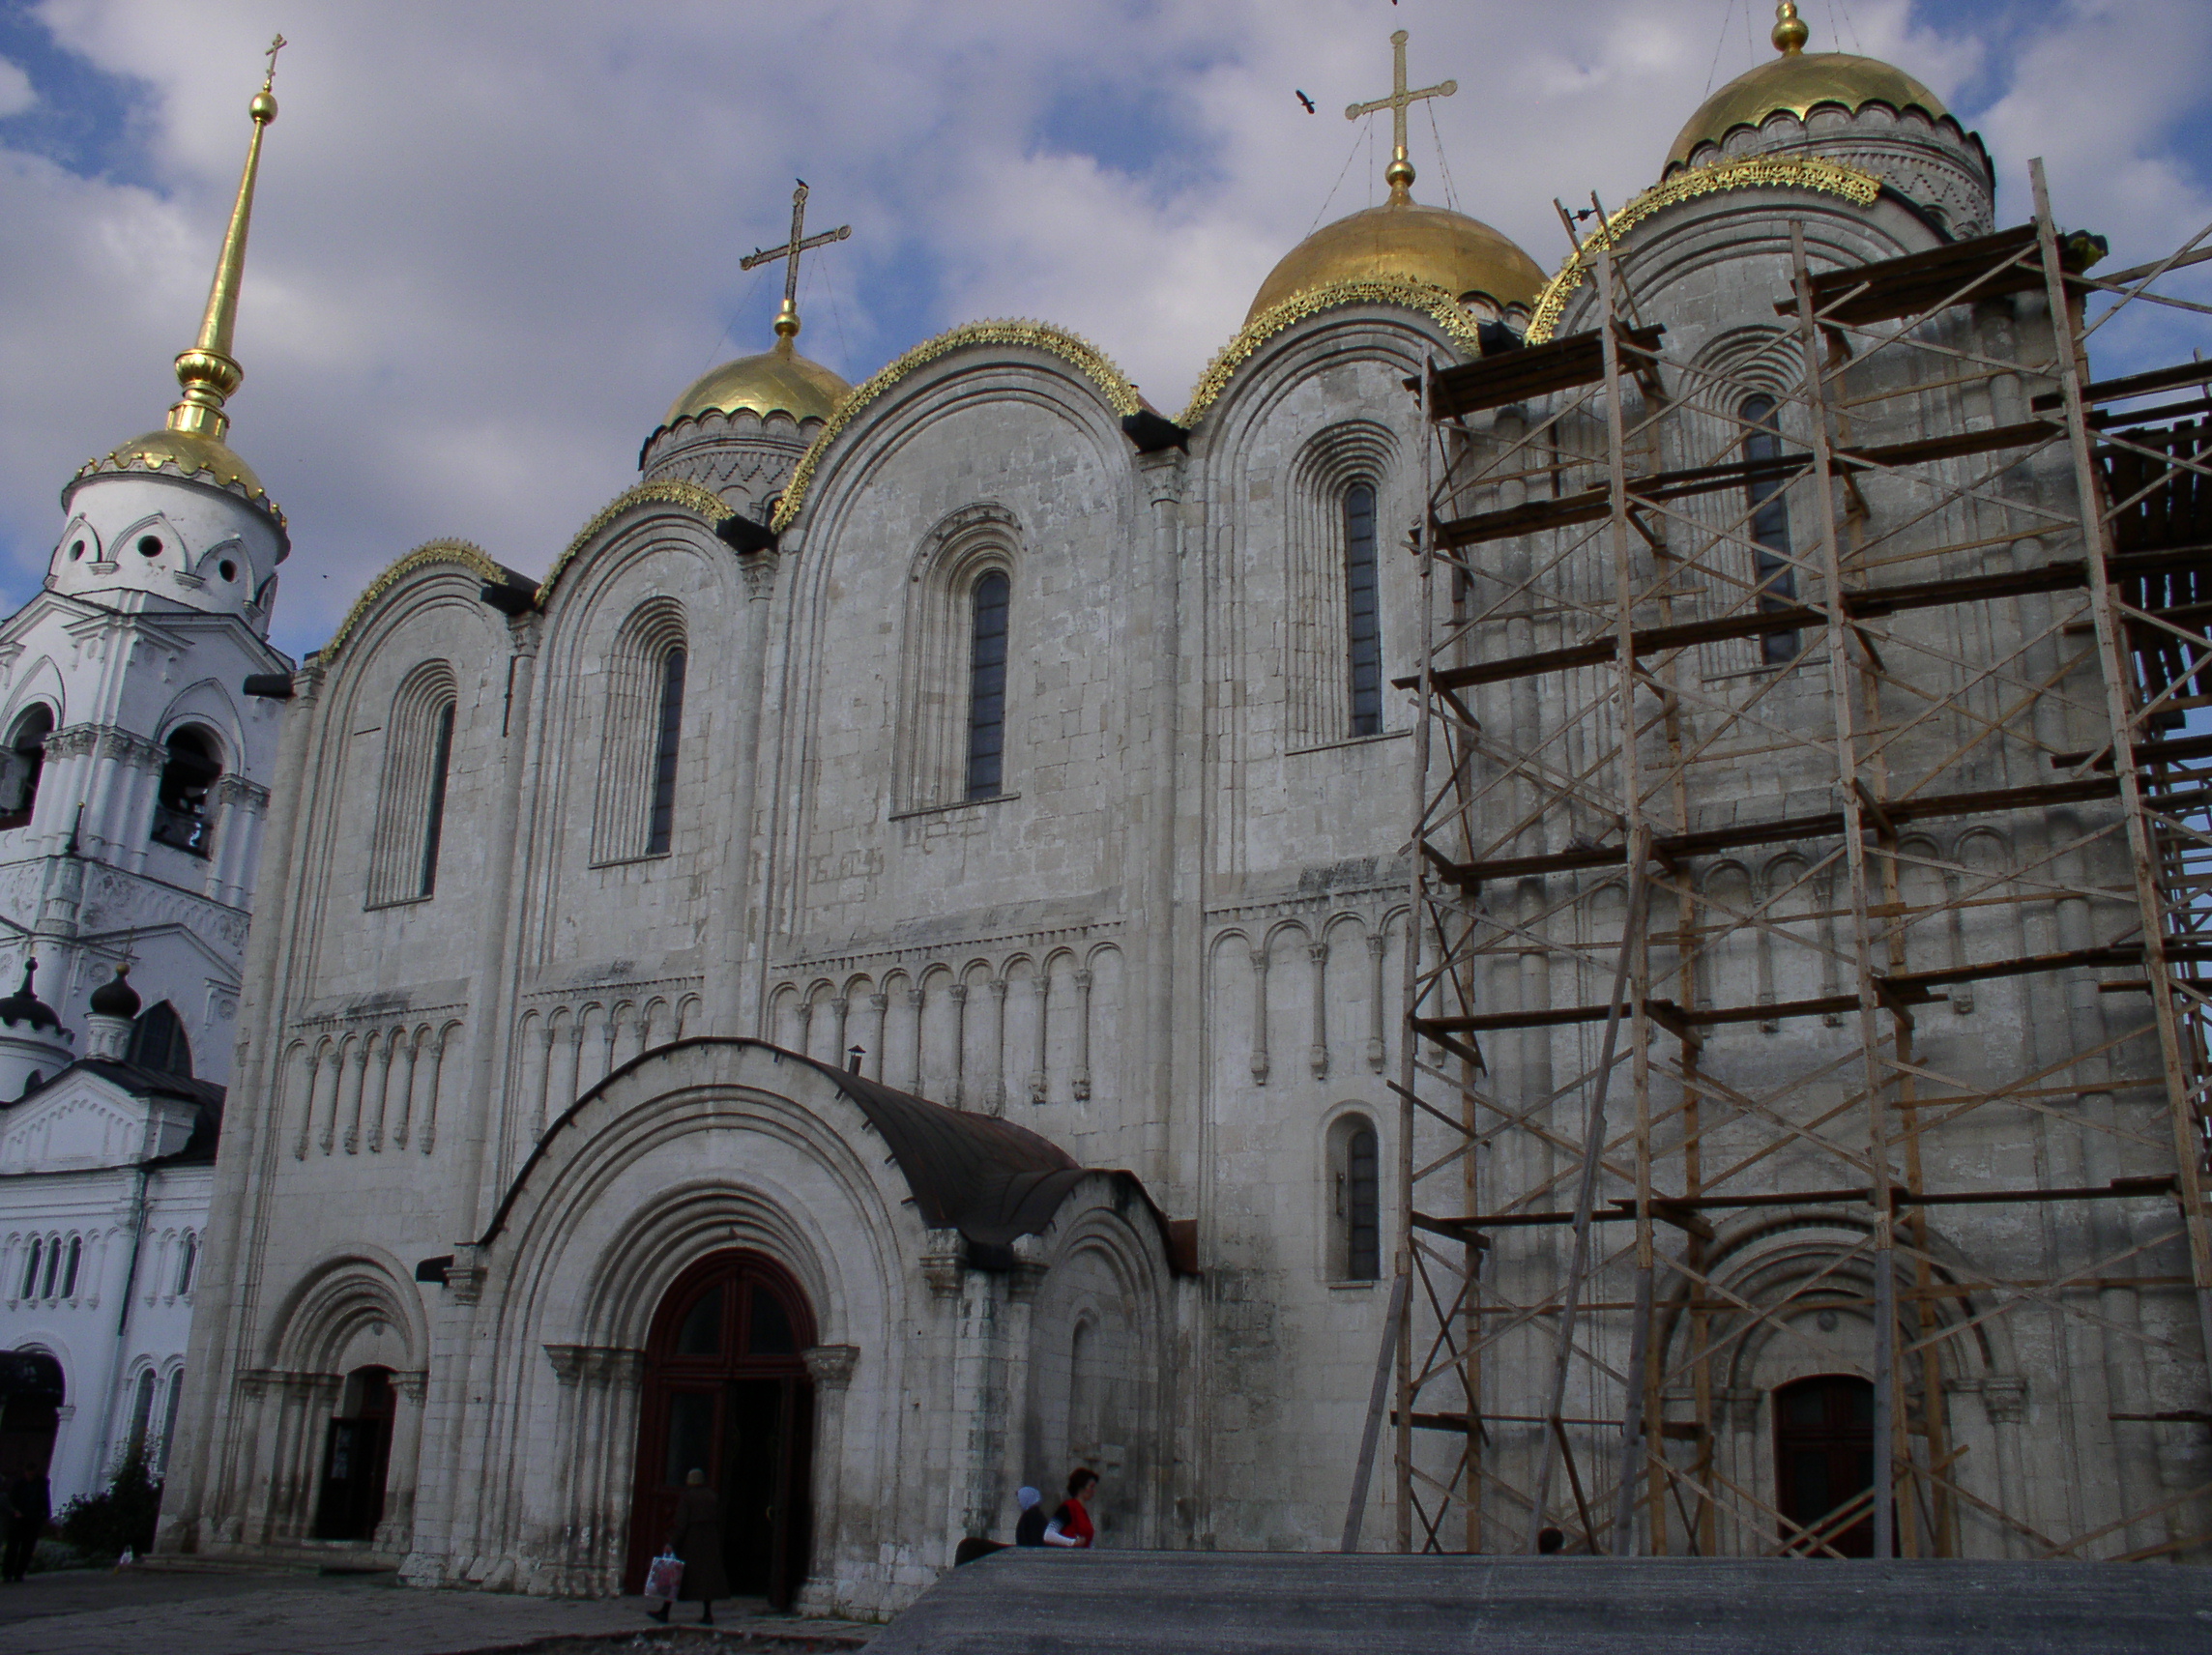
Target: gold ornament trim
1757,172
467,554
1434,302
667,491
1078,353
130,458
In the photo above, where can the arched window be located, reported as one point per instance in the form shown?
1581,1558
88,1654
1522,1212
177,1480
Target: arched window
158,1042
141,1416
1769,526
190,1256
987,686
1362,618
20,765
31,1270
661,827
76,1256
647,664
1354,1201
53,1266
169,1419
181,808
410,798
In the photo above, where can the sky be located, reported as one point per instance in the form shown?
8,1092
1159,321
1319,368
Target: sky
494,240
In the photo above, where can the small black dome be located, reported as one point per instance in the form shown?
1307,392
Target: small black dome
25,1006
116,998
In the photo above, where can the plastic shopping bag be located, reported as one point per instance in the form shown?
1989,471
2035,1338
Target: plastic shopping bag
664,1577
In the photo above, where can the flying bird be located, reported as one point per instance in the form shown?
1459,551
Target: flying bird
1307,101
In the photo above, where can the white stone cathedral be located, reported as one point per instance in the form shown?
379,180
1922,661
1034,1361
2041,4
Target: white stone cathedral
977,735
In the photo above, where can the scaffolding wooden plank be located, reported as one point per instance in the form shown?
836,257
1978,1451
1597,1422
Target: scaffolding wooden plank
1537,370
1900,287
2131,384
1589,504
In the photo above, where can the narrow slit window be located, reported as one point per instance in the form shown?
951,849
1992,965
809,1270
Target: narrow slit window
53,1266
987,688
141,1415
192,1256
169,1417
1769,528
663,830
434,823
31,1273
1364,621
69,1269
1363,1211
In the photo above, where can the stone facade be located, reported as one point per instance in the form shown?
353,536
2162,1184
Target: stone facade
482,1131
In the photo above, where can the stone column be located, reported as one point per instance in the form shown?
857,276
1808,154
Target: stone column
401,1082
569,1370
239,806
2004,1399
1081,1084
977,1407
913,1076
1377,943
1316,1055
1157,641
840,1008
351,1072
1037,1074
995,1086
830,1368
957,993
1260,1016
880,1005
395,1531
375,1087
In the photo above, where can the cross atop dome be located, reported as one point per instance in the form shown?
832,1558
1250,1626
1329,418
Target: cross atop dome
1400,173
787,318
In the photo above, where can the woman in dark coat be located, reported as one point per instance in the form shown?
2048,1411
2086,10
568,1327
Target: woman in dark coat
697,1539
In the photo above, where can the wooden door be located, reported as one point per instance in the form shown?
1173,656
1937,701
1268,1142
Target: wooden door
1823,1459
726,1392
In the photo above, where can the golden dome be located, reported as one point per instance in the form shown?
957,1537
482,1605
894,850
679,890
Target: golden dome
191,453
1404,241
1798,81
778,381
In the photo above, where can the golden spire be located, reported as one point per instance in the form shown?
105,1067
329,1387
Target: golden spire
787,318
1399,174
208,372
1790,32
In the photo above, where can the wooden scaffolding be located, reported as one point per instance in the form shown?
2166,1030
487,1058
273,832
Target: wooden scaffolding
1770,709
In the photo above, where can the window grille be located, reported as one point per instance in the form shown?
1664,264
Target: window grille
662,829
1362,615
987,687
158,1042
1363,1225
1769,527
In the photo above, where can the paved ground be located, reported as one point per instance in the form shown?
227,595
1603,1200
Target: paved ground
1195,1603
251,1613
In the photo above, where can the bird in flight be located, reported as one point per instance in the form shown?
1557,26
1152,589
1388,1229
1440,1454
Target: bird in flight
1307,101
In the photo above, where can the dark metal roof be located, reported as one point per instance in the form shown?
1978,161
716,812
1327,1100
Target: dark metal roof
988,1179
205,1096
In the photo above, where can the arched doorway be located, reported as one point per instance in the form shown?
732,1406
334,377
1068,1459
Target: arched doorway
726,1392
31,1397
1823,1460
356,1446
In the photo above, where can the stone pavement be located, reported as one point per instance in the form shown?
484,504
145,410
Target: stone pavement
254,1612
1198,1603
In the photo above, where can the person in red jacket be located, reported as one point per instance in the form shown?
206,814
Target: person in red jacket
1070,1524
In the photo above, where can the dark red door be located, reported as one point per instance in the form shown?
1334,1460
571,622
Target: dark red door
1823,1460
726,1392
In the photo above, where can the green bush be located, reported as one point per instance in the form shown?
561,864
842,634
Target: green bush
121,1518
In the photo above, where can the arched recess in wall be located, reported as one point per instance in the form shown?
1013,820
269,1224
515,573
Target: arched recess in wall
963,581
23,761
641,730
411,794
1333,619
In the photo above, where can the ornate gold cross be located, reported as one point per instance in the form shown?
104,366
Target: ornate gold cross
787,319
275,46
1400,100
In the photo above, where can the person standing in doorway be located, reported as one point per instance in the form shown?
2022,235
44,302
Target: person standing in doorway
697,1539
1070,1524
30,1505
1029,1527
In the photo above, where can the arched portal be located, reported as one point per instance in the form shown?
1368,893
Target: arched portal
726,1392
357,1447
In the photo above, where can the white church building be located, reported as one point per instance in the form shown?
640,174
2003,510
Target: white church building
134,784
875,978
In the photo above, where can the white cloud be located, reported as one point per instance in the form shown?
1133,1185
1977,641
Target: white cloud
494,241
15,93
